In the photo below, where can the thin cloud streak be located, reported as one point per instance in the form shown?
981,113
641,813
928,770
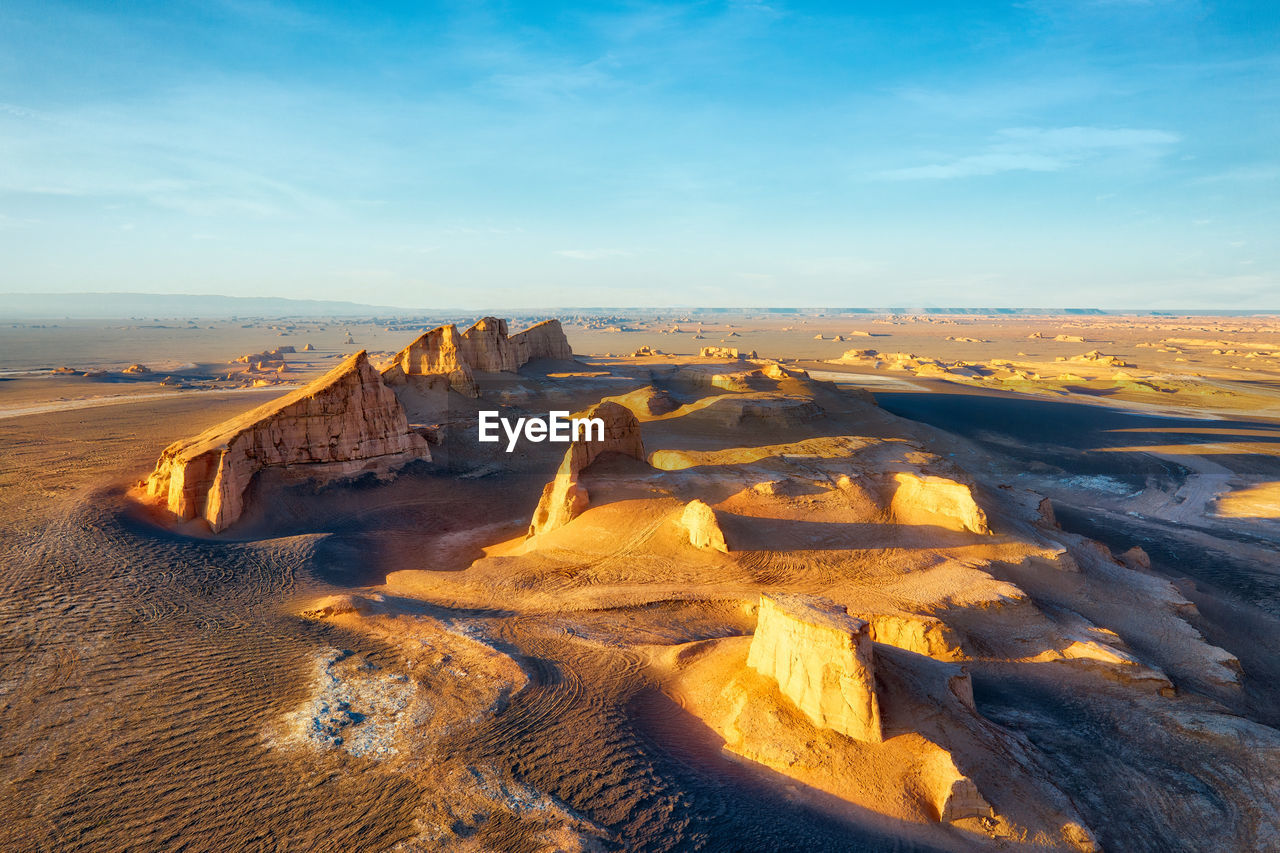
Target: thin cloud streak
1031,149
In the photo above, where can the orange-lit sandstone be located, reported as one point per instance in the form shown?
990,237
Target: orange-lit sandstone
343,424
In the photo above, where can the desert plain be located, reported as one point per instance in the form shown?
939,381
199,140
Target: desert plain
826,582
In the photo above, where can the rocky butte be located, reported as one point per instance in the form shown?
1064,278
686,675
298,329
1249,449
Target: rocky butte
343,424
444,355
923,499
822,659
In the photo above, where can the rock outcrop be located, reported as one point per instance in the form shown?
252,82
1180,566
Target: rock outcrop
732,353
445,355
955,796
343,424
922,499
925,635
564,498
541,340
699,520
823,661
437,355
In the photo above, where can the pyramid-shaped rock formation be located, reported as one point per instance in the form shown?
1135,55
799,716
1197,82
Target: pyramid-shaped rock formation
343,424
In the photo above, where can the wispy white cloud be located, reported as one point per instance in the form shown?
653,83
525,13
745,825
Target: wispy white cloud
1038,149
593,254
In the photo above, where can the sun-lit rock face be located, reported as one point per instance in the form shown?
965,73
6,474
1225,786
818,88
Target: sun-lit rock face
437,353
925,635
699,520
444,353
343,424
954,795
921,499
564,498
541,340
726,352
823,661
485,346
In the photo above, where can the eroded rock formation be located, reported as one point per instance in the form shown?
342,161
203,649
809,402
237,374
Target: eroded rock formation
564,498
955,796
345,423
822,660
699,520
925,635
443,354
922,499
726,352
437,355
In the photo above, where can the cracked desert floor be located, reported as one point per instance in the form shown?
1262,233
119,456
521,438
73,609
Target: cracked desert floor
873,582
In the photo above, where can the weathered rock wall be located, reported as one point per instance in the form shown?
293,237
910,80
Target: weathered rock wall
823,661
453,356
921,499
342,424
564,498
541,340
434,353
485,346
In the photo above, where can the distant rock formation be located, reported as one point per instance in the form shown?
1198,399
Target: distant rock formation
725,352
345,423
699,520
823,661
268,359
446,355
137,368
564,498
921,499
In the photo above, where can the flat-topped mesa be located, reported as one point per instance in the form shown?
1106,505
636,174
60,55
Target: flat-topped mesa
921,499
444,352
564,498
343,424
823,661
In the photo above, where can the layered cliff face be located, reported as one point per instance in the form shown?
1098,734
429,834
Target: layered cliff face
822,660
564,498
437,353
541,340
342,424
485,346
920,499
444,354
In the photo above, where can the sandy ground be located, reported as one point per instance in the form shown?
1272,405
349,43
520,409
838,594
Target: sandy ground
162,690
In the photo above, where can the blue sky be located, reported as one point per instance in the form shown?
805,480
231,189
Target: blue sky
1109,153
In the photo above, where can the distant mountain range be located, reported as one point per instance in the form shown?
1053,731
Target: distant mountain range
88,306
92,306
